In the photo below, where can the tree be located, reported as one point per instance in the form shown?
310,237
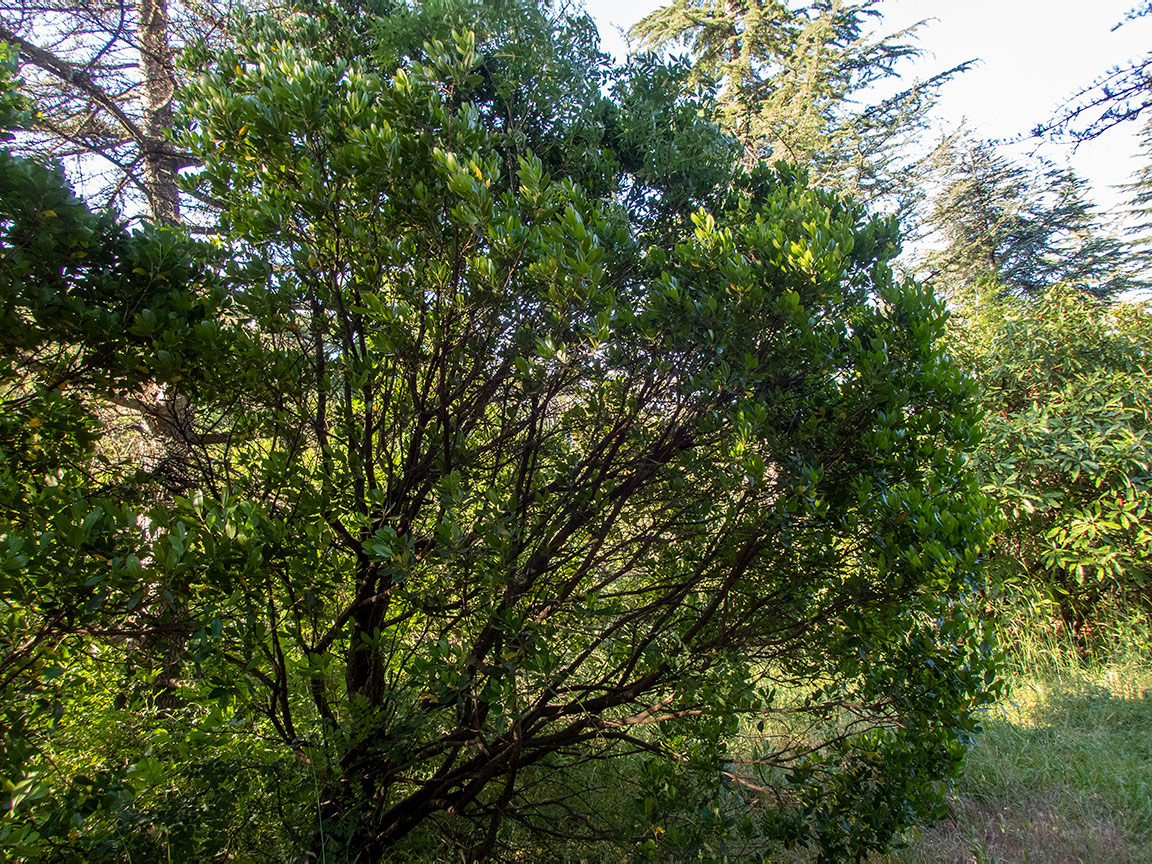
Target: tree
103,84
1066,457
1121,94
1022,229
563,458
1139,209
792,80
89,316
104,77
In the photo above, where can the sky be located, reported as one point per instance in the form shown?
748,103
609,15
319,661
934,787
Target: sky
1034,55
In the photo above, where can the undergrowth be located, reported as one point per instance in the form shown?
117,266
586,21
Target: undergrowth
1063,769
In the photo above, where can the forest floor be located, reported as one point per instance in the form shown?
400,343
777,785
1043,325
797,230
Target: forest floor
1062,771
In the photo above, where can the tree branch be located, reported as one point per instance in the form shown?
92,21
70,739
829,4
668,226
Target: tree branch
77,78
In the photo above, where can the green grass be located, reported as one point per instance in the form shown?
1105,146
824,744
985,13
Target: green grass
1063,769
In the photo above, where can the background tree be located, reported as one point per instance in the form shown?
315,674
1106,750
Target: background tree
104,76
90,315
1024,229
1139,204
1123,93
792,80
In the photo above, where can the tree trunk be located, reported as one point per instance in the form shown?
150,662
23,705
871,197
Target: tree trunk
159,85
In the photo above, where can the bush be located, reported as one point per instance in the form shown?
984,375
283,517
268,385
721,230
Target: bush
1065,385
550,452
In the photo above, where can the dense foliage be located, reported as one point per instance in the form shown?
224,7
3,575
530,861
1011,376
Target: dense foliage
545,476
77,595
1065,383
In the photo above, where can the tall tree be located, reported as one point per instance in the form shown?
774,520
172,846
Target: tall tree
791,79
1022,228
1139,204
89,315
104,79
104,76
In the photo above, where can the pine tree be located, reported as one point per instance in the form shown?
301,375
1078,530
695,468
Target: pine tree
1121,94
1139,192
1024,228
104,76
791,79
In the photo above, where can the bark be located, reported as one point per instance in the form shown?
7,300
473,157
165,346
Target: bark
161,161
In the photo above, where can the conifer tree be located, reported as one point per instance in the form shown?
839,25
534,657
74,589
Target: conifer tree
1024,228
790,83
1121,94
1140,203
104,76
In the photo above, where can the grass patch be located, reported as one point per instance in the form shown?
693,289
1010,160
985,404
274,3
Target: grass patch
1063,769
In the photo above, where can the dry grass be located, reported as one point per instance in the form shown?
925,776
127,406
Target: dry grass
1025,830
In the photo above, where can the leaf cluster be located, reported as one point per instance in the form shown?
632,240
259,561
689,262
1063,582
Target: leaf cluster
1066,458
